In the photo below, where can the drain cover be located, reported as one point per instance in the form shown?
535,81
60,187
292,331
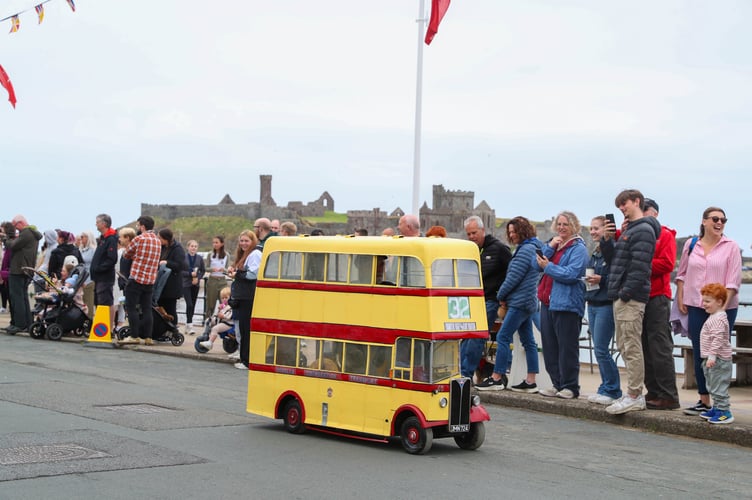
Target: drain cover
47,453
140,408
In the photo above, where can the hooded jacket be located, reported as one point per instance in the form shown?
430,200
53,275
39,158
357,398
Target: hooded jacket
24,249
632,262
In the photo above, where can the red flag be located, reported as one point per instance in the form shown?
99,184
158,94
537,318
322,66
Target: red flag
438,9
5,82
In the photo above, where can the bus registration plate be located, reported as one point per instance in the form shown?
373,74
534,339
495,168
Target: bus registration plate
459,428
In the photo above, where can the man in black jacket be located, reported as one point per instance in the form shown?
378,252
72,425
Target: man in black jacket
494,259
103,263
629,288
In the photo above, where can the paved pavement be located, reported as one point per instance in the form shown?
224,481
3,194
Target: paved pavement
669,422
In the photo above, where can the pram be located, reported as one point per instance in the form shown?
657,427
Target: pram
166,321
57,315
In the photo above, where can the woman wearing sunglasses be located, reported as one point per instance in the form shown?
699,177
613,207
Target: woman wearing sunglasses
709,258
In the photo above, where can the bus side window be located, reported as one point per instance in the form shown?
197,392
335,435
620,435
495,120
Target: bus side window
355,359
270,351
287,348
361,268
292,263
271,271
314,266
380,357
412,273
336,268
386,270
331,359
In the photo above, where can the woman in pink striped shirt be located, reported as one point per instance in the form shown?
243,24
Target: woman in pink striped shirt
712,258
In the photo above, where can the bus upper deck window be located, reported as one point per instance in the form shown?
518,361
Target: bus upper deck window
442,273
314,266
361,269
468,274
292,265
271,271
412,273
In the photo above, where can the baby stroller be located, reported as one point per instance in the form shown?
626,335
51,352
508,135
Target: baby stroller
229,342
162,319
57,314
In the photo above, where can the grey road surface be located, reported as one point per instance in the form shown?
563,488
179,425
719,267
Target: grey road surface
85,423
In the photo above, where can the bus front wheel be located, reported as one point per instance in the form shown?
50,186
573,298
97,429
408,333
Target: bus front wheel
415,439
293,417
472,439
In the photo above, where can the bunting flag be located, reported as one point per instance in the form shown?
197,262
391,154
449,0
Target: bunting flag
438,9
5,82
14,24
40,12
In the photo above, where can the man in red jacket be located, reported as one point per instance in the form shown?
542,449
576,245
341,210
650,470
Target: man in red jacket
657,343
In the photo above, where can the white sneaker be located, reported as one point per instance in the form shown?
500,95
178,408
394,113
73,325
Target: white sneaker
3,310
601,399
207,344
240,366
234,356
551,392
565,394
627,404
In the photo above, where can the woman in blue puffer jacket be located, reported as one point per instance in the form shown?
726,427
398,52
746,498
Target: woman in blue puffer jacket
562,296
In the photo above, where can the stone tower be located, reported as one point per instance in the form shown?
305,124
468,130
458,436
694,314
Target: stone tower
266,191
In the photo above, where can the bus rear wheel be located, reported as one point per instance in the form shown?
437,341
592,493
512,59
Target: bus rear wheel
472,439
293,417
415,439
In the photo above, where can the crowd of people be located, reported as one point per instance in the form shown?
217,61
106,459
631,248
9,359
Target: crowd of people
624,285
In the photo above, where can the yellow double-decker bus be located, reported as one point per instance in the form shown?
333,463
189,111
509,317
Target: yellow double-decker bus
360,336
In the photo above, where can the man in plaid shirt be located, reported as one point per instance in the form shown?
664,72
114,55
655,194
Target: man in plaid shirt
144,251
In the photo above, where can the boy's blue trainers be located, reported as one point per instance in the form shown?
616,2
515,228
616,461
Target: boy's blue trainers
721,417
708,414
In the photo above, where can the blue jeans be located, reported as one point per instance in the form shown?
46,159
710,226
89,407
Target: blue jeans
560,333
521,321
696,317
601,320
471,350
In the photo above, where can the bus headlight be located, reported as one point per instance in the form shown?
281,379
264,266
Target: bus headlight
443,402
476,400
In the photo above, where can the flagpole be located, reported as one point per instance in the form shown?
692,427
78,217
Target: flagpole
418,107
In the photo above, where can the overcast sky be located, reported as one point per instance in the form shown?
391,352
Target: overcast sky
537,106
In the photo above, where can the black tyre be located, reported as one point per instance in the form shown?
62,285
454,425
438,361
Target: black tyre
36,330
197,345
54,332
123,332
84,330
415,439
293,417
472,439
229,344
177,339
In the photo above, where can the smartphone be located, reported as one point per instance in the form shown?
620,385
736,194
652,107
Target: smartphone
539,252
610,218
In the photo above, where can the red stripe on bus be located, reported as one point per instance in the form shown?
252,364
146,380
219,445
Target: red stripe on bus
346,377
354,332
372,290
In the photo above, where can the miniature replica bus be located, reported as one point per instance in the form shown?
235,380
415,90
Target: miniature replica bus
360,336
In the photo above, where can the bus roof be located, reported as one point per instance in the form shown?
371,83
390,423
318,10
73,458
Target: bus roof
429,248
